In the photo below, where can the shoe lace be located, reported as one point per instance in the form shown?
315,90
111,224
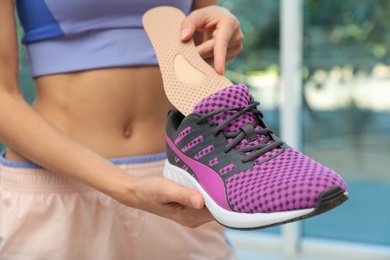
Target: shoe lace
247,131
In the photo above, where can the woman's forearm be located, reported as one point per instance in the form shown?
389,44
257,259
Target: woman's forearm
196,4
29,134
25,131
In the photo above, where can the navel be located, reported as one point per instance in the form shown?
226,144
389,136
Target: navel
127,133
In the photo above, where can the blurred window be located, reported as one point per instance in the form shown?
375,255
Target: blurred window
346,101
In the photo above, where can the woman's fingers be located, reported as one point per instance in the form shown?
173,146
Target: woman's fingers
222,36
165,198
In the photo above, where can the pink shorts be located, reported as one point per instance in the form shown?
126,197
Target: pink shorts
44,215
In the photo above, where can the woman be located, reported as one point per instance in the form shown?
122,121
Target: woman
99,97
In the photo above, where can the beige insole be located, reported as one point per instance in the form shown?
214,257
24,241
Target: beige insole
187,77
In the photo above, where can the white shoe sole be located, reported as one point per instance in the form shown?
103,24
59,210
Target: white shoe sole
229,218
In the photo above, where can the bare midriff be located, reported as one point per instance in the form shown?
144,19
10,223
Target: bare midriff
115,112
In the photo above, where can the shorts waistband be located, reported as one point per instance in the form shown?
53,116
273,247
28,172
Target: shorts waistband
118,161
31,178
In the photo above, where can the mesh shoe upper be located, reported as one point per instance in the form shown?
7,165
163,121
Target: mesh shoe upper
258,172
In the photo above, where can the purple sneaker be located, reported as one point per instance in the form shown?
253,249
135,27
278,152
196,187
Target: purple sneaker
248,177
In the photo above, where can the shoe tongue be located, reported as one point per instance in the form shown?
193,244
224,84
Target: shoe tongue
234,96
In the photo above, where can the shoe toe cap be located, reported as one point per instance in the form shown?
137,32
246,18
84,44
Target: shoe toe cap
290,181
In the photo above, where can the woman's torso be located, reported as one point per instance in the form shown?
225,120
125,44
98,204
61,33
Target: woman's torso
114,109
115,112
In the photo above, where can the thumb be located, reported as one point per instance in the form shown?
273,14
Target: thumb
187,197
187,29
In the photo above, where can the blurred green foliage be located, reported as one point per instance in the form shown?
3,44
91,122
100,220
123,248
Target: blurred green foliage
353,31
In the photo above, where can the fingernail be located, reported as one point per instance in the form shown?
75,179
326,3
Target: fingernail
183,33
221,72
195,202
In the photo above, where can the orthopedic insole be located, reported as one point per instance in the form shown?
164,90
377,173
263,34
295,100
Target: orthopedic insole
186,76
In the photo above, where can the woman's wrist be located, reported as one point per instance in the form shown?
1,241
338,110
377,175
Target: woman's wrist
121,187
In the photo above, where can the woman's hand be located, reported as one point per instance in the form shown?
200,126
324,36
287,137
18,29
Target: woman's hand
165,198
219,36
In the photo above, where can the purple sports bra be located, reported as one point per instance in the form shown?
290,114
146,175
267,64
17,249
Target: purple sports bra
74,35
